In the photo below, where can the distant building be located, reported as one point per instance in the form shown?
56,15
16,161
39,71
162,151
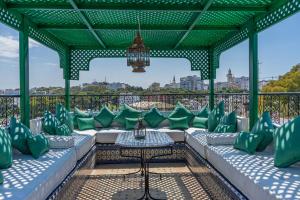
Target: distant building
12,92
116,86
154,86
262,83
242,82
173,84
128,98
191,83
221,85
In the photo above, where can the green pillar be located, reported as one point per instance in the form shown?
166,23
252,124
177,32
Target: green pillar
24,73
253,79
211,81
66,77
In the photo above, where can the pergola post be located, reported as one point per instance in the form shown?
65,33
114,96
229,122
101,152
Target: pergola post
24,73
211,81
253,78
67,79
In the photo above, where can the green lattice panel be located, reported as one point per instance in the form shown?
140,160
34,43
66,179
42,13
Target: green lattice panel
152,39
242,2
224,18
233,40
10,19
197,39
54,2
80,59
291,7
146,17
51,17
121,3
75,37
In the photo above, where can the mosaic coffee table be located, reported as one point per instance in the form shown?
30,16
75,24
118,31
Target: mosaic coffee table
153,140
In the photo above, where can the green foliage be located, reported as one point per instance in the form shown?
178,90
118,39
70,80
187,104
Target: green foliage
289,82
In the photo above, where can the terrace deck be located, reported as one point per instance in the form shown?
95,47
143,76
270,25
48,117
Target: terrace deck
178,182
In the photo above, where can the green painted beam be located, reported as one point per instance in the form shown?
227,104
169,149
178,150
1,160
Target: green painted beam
133,27
207,5
253,78
24,73
131,7
67,65
67,95
211,81
87,23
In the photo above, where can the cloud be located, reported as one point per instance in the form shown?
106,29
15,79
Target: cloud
9,47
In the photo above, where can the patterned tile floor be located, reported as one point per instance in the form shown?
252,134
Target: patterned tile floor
106,182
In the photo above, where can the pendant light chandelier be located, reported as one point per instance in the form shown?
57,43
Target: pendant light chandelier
138,55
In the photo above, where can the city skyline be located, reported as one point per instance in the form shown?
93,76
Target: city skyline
275,56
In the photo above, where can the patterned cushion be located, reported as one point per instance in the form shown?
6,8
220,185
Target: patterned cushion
60,142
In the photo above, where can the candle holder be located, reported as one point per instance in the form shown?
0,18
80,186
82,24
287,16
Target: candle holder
140,130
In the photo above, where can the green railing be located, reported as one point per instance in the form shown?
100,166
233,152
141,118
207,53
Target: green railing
282,106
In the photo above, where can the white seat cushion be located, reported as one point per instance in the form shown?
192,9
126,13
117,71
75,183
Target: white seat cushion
36,179
255,175
175,134
108,135
83,143
91,132
195,137
60,142
221,138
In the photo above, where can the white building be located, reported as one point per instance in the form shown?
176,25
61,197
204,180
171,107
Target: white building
116,85
128,98
191,83
262,83
242,82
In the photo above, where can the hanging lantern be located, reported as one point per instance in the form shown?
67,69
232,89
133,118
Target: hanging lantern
138,55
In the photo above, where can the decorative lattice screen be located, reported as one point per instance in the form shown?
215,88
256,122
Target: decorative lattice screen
80,59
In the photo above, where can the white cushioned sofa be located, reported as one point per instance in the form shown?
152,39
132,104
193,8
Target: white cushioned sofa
254,175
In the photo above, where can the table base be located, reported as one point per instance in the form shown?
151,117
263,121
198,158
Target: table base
144,169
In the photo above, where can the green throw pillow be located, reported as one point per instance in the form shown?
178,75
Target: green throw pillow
126,112
153,118
64,116
38,145
79,114
5,149
181,123
203,112
86,123
287,146
247,142
264,126
63,129
227,124
215,116
19,134
105,117
1,178
181,111
49,123
131,123
200,122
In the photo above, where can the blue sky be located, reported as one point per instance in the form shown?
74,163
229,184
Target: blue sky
278,51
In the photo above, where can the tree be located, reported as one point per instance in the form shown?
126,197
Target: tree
289,82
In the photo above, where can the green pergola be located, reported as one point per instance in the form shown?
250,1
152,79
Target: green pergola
198,30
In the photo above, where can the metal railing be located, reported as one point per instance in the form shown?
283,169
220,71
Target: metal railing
282,106
164,102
